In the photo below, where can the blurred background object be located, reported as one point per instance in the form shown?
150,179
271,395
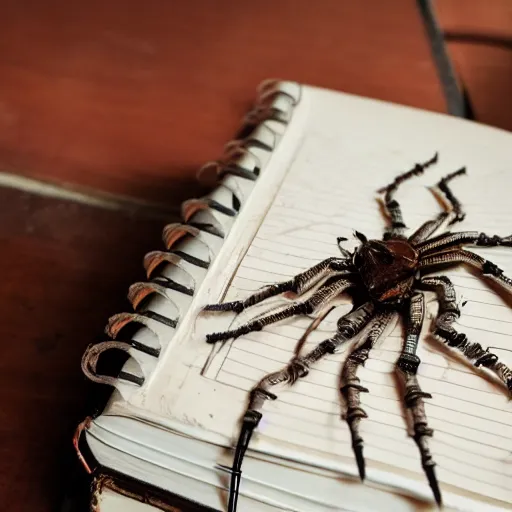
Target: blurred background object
478,36
122,102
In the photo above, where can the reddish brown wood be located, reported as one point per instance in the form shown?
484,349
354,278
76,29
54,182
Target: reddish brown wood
479,35
133,97
66,268
485,17
487,74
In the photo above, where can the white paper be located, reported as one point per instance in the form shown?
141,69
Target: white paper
350,148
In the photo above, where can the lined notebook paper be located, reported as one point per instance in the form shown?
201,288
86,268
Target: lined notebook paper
350,147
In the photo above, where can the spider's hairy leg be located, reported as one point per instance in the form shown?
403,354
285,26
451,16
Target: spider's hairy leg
351,388
447,241
458,214
299,284
448,313
406,369
392,206
348,326
319,299
428,228
455,215
486,267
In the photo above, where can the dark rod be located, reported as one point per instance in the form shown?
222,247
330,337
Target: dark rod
456,97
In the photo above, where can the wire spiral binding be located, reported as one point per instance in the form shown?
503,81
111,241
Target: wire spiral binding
192,245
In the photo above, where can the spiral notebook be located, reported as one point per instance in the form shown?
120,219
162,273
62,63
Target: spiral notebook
304,171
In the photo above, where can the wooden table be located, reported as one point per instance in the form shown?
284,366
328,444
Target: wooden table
130,98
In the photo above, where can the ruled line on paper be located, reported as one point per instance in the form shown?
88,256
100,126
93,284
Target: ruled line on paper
438,421
256,347
286,434
366,373
402,456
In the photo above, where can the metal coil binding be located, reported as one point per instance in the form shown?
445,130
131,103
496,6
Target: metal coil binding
192,245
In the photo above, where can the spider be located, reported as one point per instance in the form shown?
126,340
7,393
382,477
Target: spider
384,277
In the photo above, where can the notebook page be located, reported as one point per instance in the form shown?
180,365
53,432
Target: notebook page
351,148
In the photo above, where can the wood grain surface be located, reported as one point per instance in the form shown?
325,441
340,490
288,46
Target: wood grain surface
479,40
491,18
66,269
487,73
132,98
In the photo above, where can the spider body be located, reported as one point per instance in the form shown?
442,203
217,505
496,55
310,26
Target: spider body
385,278
387,269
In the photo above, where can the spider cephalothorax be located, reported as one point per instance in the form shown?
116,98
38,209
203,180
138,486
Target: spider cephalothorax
385,277
387,269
